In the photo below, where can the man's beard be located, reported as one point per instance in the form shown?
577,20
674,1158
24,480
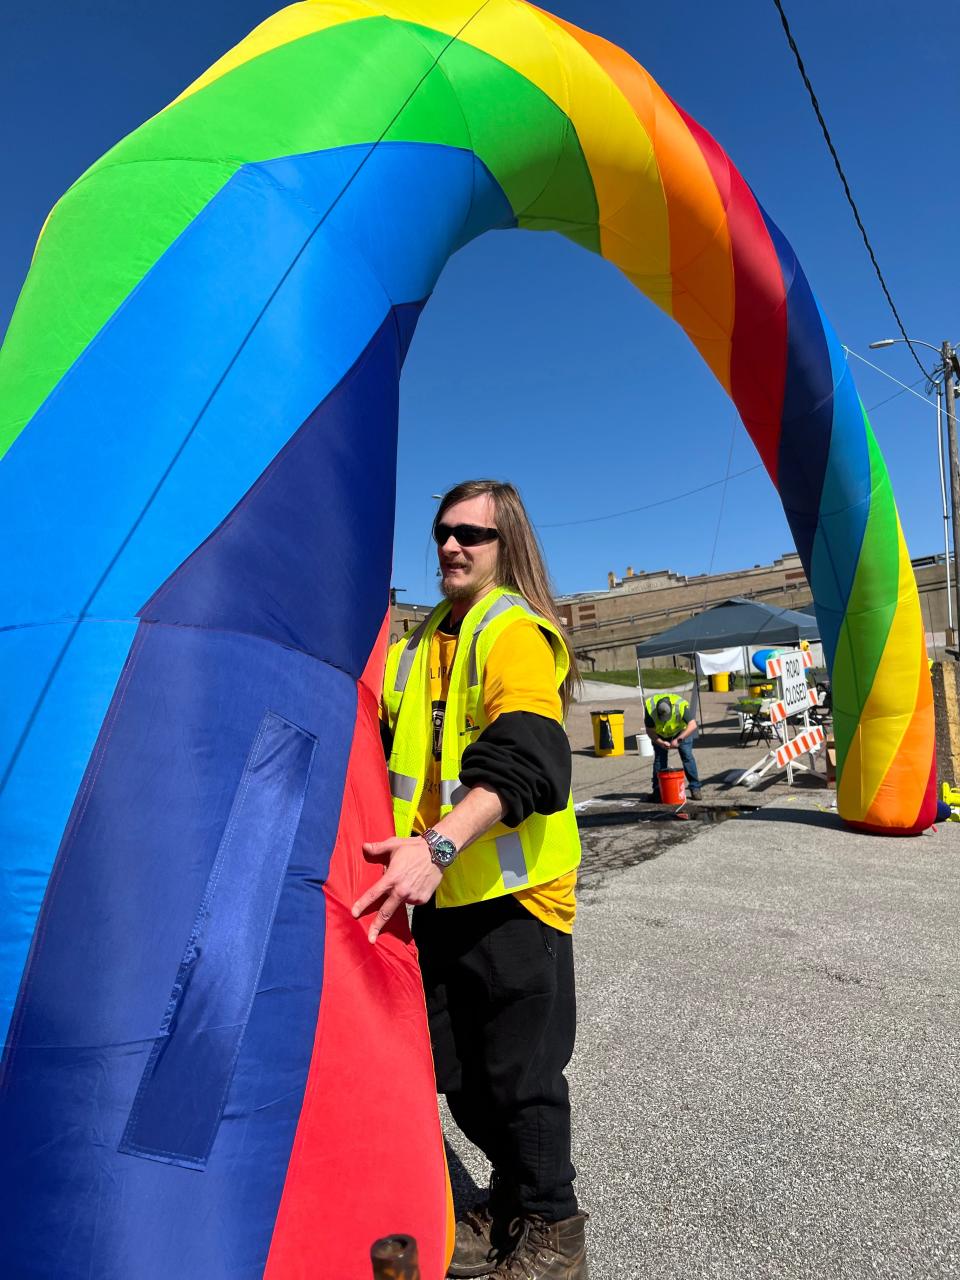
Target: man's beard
456,590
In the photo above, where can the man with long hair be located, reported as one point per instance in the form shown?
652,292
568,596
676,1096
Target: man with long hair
487,848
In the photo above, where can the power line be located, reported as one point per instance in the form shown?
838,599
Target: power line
699,619
723,498
843,179
662,502
903,385
896,394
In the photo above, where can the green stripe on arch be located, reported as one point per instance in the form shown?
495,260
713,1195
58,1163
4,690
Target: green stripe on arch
122,215
872,604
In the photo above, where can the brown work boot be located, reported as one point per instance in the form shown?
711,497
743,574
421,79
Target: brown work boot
548,1251
483,1238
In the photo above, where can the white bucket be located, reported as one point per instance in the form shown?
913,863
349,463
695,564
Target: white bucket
644,746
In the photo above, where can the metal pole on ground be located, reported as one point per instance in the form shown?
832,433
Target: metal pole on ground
643,700
698,701
946,512
949,368
949,404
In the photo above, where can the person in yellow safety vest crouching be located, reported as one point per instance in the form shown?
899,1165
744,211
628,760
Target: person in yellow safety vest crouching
487,850
669,724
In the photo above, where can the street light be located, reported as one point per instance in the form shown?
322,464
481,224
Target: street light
942,381
914,342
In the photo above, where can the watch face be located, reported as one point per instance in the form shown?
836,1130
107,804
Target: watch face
444,851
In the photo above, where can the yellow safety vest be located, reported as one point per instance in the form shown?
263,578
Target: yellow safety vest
678,710
506,858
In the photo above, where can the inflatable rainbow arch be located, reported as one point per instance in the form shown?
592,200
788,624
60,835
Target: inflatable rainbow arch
208,1072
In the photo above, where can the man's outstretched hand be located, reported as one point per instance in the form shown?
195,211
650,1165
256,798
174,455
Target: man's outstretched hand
411,877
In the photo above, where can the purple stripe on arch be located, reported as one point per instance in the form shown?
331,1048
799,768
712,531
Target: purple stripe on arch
121,907
807,421
176,1113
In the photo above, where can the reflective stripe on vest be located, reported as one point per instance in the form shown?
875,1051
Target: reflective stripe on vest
452,792
513,865
402,786
408,656
499,606
678,709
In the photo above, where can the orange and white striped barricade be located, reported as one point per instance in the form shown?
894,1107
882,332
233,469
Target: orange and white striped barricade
775,665
809,740
795,698
778,710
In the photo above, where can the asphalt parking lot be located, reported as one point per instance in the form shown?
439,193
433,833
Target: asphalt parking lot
766,1076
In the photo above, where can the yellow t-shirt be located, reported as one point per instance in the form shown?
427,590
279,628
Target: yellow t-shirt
519,676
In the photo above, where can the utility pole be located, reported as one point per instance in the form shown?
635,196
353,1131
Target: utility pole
949,367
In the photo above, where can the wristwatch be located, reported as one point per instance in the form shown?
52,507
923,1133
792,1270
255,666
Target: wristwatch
442,850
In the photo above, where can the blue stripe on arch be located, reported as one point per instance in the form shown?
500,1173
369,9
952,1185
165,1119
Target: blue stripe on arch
238,332
61,681
177,1112
130,465
304,559
845,501
128,889
104,1065
807,420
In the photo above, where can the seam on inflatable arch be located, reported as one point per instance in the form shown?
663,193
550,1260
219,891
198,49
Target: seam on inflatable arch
568,125
121,306
552,30
261,479
260,167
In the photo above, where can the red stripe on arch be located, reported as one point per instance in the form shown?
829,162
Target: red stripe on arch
364,1163
758,362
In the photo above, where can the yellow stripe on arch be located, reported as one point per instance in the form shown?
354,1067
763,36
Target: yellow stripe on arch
884,732
617,147
283,27
615,142
701,259
633,216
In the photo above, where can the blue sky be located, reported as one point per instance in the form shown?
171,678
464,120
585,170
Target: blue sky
536,361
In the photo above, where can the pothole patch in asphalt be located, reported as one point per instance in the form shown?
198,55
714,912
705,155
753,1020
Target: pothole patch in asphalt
619,831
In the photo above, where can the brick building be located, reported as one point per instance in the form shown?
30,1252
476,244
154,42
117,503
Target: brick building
606,625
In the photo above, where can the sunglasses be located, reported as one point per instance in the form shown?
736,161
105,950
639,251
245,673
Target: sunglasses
467,535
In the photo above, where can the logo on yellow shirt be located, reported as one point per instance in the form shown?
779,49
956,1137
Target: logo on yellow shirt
437,711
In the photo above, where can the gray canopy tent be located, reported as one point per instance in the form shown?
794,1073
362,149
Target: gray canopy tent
734,623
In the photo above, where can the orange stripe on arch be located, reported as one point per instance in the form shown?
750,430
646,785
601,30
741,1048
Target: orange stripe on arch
909,769
701,260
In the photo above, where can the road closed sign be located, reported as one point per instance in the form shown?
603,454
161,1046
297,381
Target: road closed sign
791,668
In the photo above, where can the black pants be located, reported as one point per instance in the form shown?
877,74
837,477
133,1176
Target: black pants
502,1010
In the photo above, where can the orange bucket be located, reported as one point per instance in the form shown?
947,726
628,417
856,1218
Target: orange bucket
673,786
